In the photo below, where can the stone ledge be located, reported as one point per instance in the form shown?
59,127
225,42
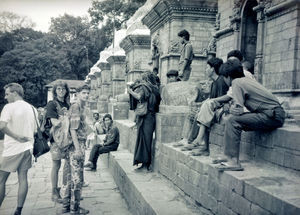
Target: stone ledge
147,192
280,147
260,189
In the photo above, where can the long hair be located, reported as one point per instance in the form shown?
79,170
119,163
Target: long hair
61,84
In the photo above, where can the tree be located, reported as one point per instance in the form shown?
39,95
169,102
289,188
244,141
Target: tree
10,21
81,42
8,40
118,10
113,14
33,64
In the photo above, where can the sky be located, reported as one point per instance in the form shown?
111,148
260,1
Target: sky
41,11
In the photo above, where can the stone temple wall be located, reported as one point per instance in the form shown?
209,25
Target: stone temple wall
167,18
276,42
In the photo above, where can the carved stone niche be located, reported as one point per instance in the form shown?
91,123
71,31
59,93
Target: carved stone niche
184,93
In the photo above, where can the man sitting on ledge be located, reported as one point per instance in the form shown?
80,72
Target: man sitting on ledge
110,143
265,113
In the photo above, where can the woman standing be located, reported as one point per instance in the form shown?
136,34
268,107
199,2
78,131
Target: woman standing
55,109
145,91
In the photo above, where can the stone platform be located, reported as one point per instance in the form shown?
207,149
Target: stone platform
270,183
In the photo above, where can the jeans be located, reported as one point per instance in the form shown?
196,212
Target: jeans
98,149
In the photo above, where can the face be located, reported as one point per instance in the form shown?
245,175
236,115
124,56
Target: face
209,70
84,95
96,116
172,78
61,92
181,40
228,80
107,122
10,96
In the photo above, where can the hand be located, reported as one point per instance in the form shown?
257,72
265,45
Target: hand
129,90
226,108
22,139
214,104
180,73
236,110
78,155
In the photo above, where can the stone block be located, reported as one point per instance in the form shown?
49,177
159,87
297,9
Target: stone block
102,106
256,210
119,110
223,210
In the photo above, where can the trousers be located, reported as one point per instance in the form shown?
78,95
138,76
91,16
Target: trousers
262,121
98,149
72,179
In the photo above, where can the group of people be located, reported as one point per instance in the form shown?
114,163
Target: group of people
234,92
19,122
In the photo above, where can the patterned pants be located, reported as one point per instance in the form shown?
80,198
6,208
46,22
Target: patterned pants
72,179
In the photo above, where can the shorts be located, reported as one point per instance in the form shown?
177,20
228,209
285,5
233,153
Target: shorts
18,162
55,151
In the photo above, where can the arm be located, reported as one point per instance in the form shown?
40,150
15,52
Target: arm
136,95
222,99
7,131
111,137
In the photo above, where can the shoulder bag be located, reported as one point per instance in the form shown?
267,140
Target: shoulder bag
40,145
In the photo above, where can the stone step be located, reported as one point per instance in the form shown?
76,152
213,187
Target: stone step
147,192
280,147
261,188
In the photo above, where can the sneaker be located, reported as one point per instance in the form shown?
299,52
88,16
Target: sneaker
56,196
80,211
90,169
89,165
65,210
85,184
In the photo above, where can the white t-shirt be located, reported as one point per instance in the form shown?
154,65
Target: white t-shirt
20,120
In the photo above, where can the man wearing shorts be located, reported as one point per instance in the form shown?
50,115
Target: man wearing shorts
17,122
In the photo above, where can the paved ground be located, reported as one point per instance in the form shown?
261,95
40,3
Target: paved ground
101,196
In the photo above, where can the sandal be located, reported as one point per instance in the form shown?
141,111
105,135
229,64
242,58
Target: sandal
200,153
189,147
226,167
219,160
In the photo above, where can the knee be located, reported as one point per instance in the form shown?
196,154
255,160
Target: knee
56,164
231,121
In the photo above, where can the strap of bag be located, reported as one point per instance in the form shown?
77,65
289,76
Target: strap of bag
39,132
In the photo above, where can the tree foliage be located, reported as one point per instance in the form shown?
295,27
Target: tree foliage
113,14
10,21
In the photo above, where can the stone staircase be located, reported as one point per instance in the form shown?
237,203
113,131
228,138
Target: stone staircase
183,184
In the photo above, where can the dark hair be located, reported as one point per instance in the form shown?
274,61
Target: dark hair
172,72
215,63
184,33
64,85
235,53
248,66
15,87
155,70
83,87
149,77
232,68
107,116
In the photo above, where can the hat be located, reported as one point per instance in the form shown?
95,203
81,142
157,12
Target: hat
172,72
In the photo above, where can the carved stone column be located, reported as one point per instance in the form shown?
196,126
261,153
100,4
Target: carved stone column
259,9
117,64
137,49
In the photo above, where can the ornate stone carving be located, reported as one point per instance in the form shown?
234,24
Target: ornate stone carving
174,47
155,51
212,45
137,64
235,19
217,24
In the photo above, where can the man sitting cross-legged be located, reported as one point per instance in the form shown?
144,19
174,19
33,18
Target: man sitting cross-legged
110,143
208,111
265,112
